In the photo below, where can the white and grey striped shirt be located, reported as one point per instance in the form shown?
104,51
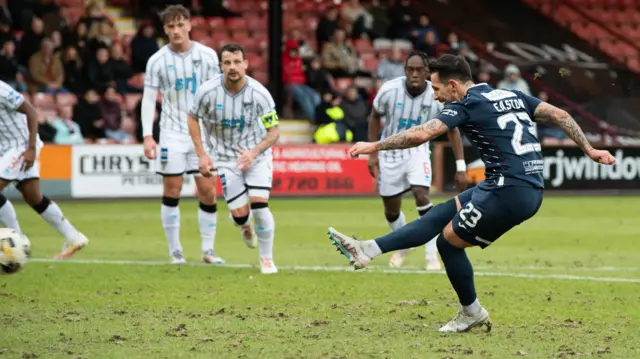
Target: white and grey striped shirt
14,130
233,122
178,76
400,111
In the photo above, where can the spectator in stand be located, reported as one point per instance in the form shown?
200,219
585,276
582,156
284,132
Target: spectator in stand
429,45
45,130
392,67
306,51
513,81
357,19
424,25
100,72
327,26
329,119
86,113
9,66
401,16
295,80
380,15
472,59
56,21
143,45
67,132
31,40
5,30
317,77
46,73
339,57
79,40
112,113
355,114
454,43
484,76
101,34
121,70
56,39
92,13
74,79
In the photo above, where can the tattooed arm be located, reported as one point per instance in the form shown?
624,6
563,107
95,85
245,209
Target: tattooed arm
546,113
413,137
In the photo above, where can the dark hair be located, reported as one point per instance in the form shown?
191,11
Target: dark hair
174,12
233,48
451,67
422,55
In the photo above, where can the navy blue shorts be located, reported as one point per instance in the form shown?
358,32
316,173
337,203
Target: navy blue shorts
487,214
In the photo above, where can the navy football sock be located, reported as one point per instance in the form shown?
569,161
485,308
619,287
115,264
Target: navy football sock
419,231
459,270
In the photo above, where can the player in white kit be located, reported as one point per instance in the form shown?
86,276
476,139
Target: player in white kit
177,70
240,123
400,104
20,148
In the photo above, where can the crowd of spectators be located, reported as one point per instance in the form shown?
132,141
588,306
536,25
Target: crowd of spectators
86,68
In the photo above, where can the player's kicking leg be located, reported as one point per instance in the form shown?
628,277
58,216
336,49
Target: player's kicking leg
423,205
52,214
170,215
7,213
208,218
419,232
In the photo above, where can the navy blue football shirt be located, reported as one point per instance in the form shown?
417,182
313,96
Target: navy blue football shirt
499,124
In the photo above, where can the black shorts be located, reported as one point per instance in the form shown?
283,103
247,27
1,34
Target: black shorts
487,214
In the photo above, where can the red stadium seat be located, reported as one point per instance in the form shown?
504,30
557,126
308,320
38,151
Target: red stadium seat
216,23
261,76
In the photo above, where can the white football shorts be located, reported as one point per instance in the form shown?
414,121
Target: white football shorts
396,178
238,186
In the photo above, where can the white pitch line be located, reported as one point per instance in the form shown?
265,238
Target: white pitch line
347,269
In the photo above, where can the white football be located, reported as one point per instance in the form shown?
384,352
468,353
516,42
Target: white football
15,249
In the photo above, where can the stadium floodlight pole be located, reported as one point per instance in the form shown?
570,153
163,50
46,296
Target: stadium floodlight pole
275,52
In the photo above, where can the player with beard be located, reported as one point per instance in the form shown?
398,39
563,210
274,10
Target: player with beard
240,124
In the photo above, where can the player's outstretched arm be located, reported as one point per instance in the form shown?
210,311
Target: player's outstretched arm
273,134
414,136
547,113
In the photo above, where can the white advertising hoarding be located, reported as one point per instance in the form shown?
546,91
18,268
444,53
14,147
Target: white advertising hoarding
117,171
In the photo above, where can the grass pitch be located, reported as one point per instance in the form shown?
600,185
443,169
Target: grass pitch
564,284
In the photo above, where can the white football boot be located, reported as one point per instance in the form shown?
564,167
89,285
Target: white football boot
210,257
249,235
463,322
267,266
177,258
433,264
350,247
397,259
71,246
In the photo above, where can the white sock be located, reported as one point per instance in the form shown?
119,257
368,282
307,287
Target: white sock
424,208
431,249
371,249
207,222
399,222
53,215
265,228
171,224
8,216
473,308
